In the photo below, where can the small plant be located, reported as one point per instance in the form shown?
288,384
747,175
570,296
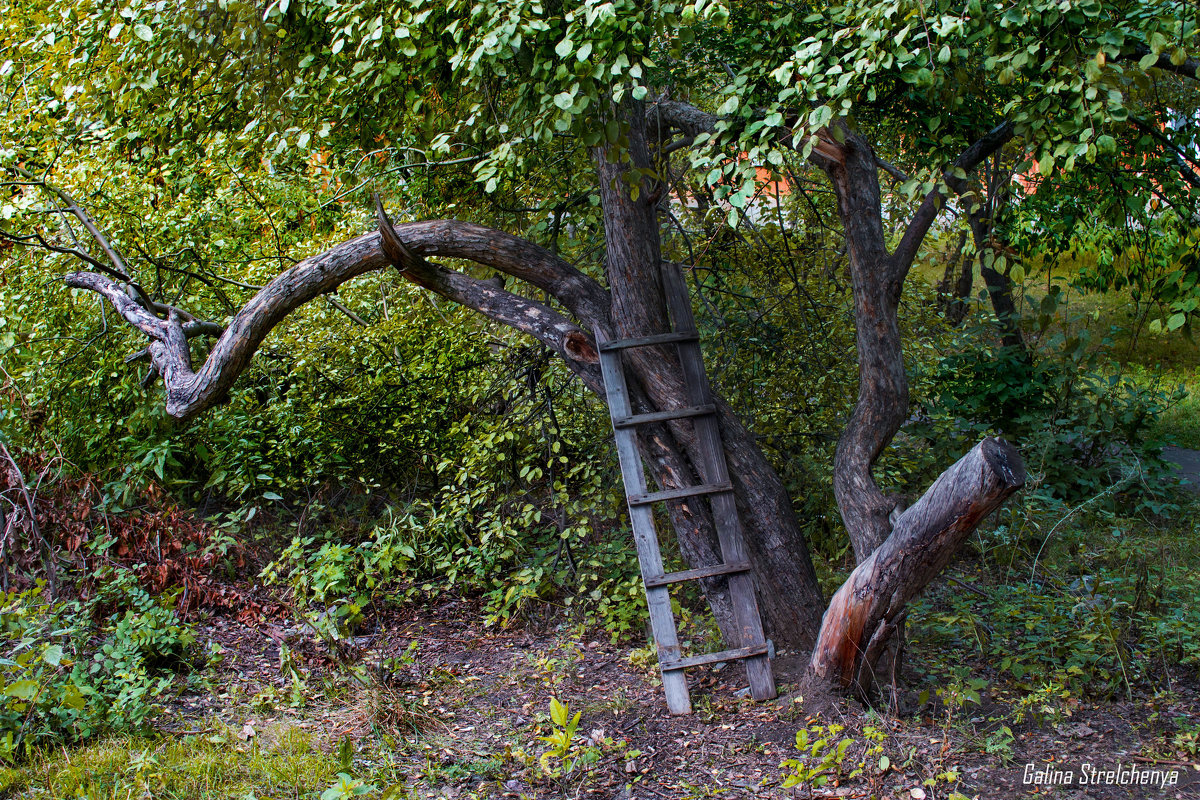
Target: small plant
645,658
73,670
559,759
958,693
1050,703
347,787
553,665
1187,740
999,743
852,756
820,759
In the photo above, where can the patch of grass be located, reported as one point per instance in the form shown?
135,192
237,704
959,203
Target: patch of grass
282,762
1179,424
1109,611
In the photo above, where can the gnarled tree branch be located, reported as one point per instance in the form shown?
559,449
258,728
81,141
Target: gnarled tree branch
190,392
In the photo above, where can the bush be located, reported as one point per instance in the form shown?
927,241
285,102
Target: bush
1082,426
72,670
526,506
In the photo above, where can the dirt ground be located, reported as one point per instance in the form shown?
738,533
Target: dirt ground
466,706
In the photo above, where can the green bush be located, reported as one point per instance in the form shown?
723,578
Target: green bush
526,505
1083,428
75,669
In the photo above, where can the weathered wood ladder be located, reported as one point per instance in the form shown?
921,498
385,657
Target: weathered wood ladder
714,483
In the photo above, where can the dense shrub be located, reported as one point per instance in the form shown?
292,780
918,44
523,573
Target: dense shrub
1082,426
75,669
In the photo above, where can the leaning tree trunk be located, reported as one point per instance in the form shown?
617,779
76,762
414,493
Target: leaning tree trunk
867,610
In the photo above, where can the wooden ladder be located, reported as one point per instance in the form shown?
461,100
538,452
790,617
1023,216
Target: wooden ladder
753,647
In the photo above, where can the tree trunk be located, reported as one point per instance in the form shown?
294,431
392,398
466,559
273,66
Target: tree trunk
789,595
999,288
981,218
955,286
882,405
865,612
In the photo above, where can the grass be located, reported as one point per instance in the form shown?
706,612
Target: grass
278,763
370,733
1180,423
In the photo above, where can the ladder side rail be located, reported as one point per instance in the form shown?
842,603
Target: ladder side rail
641,518
714,469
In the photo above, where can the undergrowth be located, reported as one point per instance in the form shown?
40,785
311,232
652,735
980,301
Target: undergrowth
1104,607
76,669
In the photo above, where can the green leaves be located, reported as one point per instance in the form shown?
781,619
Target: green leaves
70,689
347,787
53,655
25,689
558,712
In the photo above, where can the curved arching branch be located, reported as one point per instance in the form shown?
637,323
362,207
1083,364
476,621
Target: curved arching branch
190,392
927,212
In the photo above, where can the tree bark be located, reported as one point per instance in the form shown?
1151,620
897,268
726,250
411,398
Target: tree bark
865,612
882,406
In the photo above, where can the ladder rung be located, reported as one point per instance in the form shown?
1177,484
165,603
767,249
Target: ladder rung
713,658
679,494
674,337
663,416
696,574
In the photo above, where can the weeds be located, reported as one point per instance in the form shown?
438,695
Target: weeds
824,757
